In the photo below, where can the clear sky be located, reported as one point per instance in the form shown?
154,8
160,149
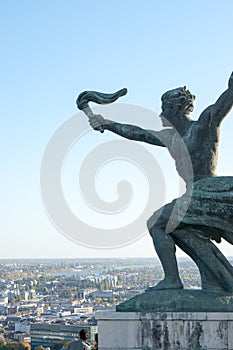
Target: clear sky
53,50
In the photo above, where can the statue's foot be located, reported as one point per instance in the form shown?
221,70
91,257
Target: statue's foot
166,284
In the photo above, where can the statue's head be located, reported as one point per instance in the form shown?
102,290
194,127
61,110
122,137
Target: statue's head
179,99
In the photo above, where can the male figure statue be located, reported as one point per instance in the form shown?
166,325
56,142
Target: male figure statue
210,212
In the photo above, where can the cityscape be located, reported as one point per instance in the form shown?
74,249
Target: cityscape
44,303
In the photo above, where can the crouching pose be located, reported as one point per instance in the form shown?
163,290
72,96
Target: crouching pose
209,213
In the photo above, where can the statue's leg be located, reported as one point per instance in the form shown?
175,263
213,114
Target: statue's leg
165,248
215,270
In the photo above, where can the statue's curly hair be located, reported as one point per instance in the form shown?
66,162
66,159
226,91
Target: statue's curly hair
179,97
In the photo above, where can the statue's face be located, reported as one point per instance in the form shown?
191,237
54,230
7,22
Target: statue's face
169,111
189,108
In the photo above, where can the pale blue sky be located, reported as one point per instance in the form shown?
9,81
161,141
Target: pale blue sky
53,50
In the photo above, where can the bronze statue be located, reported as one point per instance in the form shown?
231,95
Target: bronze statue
209,215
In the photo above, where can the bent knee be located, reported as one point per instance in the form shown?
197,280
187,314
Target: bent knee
156,222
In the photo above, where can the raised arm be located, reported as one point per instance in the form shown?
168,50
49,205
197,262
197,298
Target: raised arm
222,106
215,113
127,131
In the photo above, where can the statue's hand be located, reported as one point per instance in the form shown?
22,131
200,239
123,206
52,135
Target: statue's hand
230,82
97,122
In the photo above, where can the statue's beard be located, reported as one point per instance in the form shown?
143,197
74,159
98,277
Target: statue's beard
189,109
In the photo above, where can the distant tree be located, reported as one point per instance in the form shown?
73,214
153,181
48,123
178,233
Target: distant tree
112,300
59,345
27,346
11,345
45,291
40,347
65,293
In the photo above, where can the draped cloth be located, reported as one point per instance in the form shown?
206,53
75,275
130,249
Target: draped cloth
207,205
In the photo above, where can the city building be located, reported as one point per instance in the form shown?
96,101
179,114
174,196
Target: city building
47,334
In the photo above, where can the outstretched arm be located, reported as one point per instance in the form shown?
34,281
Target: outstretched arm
223,104
127,131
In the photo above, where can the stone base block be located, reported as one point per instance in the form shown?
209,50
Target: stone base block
185,300
165,331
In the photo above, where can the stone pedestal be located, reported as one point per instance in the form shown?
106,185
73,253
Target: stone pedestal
165,330
184,300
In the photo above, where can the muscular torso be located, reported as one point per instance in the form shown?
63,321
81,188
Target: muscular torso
196,152
194,148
